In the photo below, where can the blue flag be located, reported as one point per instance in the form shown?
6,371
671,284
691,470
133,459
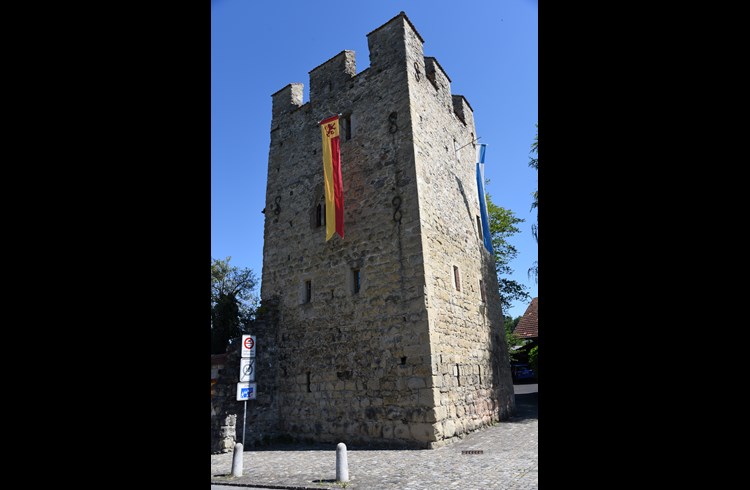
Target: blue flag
483,200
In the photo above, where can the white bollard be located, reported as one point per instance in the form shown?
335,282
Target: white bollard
237,460
342,467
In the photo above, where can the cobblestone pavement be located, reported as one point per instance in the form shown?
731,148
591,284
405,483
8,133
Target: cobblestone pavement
509,460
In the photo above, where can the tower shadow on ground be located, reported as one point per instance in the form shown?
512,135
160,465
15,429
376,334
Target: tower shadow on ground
527,407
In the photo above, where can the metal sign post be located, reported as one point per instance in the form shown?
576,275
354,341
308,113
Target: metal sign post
246,390
244,424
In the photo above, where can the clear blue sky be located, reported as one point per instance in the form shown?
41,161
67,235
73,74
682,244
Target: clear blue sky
487,47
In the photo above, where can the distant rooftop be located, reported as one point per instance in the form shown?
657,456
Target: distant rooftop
527,327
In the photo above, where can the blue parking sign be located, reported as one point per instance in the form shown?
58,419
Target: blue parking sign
246,391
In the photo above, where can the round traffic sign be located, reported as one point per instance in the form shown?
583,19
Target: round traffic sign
249,343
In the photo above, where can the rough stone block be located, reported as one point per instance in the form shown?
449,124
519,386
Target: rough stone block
423,432
375,429
401,430
440,413
449,428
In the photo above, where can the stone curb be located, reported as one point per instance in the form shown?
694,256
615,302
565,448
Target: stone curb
259,485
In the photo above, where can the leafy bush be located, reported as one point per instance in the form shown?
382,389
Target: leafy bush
534,360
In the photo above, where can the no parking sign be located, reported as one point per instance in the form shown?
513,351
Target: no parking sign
247,369
248,346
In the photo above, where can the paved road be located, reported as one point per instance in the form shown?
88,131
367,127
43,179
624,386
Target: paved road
509,460
526,389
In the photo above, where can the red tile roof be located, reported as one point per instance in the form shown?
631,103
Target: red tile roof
527,327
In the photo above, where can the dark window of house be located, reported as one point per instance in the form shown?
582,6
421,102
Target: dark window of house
481,290
355,280
479,227
308,291
456,278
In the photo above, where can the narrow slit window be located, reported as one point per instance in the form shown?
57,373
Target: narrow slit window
456,278
355,281
479,227
308,291
319,215
348,127
481,290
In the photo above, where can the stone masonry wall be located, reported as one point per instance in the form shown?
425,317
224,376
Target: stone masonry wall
353,366
471,372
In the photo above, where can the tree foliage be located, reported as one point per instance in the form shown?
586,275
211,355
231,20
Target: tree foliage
502,227
534,360
534,163
511,338
534,160
233,302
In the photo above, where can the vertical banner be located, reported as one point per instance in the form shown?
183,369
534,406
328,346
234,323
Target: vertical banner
483,200
329,129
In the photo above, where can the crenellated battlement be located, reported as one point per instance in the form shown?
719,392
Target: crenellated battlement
332,76
436,74
286,99
389,43
463,110
394,45
439,80
388,46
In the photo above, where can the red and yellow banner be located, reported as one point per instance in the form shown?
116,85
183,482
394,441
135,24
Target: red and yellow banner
329,129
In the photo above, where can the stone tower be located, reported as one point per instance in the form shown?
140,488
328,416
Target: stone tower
394,334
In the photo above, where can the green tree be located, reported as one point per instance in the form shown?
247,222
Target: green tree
534,360
233,302
511,338
534,163
502,227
